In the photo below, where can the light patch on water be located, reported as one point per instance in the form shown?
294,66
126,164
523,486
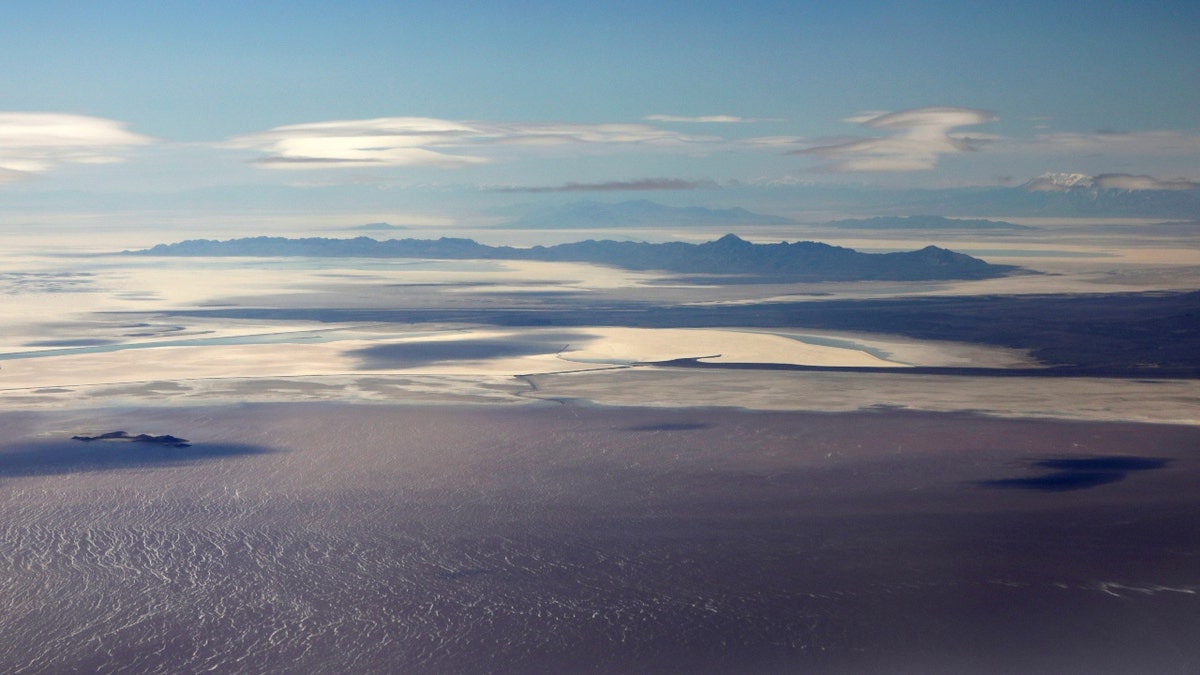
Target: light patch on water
474,351
1164,401
634,345
1120,590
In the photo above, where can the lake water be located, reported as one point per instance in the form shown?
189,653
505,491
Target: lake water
561,538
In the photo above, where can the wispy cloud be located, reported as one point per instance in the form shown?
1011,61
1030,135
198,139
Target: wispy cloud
1162,159
33,143
1160,142
421,141
1121,181
703,119
620,186
916,139
775,141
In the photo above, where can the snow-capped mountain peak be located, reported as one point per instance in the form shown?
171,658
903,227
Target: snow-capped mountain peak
1059,182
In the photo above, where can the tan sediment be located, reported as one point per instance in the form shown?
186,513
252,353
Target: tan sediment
1096,399
601,347
715,345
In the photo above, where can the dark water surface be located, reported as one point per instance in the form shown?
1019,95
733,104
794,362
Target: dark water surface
321,538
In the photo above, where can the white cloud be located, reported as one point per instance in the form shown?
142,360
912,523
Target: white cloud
604,134
421,141
32,143
917,138
775,141
641,184
704,119
1121,181
1137,160
390,141
1161,142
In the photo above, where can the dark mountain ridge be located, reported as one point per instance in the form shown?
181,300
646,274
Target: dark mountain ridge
729,255
636,213
925,223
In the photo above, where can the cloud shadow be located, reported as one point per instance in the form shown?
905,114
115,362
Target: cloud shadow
1077,473
671,426
72,456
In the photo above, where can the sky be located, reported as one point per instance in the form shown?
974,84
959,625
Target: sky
170,111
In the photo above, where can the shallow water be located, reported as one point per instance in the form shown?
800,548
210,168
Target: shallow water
313,538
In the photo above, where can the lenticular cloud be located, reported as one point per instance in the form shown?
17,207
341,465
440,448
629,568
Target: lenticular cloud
32,143
917,138
421,141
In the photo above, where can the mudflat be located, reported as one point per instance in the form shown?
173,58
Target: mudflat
577,538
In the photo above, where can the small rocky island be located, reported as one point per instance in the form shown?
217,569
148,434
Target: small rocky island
122,436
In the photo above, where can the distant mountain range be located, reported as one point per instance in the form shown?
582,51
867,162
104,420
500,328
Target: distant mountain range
1068,195
1121,182
925,223
729,255
1048,195
376,227
635,213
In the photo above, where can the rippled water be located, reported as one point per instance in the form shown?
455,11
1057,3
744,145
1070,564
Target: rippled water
567,539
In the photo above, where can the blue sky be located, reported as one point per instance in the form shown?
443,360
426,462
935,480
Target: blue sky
141,104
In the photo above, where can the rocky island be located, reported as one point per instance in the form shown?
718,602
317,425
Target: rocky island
122,436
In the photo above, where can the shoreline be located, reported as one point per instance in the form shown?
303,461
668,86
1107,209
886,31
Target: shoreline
821,391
